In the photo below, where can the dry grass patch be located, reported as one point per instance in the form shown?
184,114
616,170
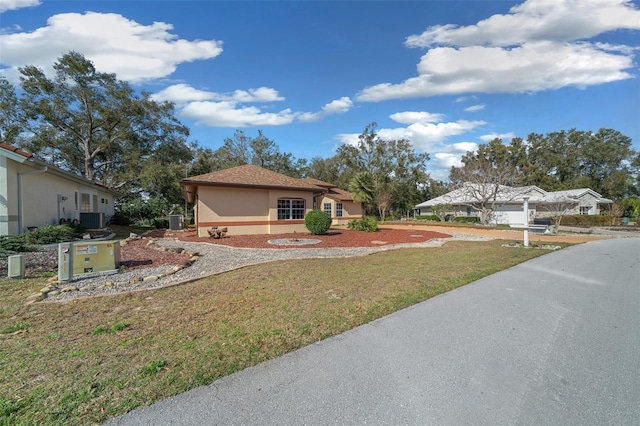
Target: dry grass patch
87,360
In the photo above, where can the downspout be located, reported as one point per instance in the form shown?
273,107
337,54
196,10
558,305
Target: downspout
20,174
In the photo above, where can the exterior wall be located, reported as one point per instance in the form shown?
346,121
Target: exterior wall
45,198
587,200
246,211
350,210
8,195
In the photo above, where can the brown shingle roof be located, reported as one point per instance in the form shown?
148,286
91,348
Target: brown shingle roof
251,176
15,150
334,192
318,182
339,194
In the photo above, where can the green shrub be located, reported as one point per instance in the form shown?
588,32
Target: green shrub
51,234
590,220
431,217
15,243
317,222
367,223
467,219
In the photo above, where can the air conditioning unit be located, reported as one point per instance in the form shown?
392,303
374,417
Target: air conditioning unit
92,220
176,222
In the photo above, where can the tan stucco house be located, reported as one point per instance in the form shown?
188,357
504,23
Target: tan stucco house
337,202
34,193
252,200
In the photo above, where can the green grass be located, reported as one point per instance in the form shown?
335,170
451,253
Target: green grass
85,361
22,325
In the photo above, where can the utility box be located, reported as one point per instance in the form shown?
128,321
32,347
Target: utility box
15,268
176,222
87,257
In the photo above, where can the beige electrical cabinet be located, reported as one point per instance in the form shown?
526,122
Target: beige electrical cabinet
86,257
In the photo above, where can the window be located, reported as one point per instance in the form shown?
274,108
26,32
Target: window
327,208
104,201
338,209
95,203
585,209
85,203
75,199
290,209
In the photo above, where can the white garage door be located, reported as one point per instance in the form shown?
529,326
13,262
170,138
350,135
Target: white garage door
508,215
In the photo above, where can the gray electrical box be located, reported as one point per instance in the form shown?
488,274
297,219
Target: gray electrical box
175,222
65,261
15,268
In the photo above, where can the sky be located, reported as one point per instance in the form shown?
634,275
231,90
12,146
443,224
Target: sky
311,75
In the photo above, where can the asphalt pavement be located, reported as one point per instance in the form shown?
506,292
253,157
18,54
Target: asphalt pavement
555,340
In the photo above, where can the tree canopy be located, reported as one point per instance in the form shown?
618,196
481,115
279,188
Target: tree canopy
97,126
395,171
603,161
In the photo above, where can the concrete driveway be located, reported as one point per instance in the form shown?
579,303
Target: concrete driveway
555,340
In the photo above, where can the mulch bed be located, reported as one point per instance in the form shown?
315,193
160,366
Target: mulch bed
334,238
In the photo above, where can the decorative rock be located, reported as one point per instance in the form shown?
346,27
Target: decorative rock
177,268
68,289
150,278
53,279
86,288
34,297
193,259
133,235
136,280
53,293
45,290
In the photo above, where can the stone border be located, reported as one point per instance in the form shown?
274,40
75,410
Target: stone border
55,287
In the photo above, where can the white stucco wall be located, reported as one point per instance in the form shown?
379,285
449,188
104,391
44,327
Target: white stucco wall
44,197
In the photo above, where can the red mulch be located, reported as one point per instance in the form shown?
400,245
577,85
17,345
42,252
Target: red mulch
334,238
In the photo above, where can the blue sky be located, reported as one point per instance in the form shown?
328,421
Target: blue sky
446,75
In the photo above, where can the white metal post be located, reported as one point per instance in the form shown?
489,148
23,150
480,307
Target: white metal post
526,221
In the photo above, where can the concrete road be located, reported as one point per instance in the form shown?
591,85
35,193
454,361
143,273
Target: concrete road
555,340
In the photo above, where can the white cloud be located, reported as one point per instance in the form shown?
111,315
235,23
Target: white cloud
539,45
115,44
183,93
475,108
536,20
423,136
229,114
464,147
338,106
492,136
409,117
446,160
530,68
17,4
227,109
448,157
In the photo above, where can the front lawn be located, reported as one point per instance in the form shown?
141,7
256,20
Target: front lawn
85,361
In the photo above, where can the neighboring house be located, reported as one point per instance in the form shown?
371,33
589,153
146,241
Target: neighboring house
251,200
337,202
509,203
34,193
